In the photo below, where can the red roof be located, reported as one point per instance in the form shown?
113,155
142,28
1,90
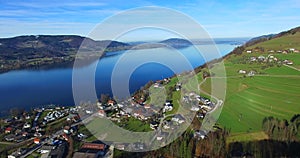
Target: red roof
36,140
110,102
8,129
93,146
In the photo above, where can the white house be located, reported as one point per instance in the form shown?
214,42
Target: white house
178,118
242,72
292,49
26,125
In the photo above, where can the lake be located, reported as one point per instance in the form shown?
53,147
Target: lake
36,88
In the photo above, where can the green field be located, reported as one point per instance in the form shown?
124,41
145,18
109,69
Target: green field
274,91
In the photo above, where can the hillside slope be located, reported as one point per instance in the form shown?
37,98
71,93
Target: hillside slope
272,90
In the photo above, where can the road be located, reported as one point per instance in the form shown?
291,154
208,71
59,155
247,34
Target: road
292,67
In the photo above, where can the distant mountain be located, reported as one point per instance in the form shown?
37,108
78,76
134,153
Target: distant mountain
32,51
29,47
177,42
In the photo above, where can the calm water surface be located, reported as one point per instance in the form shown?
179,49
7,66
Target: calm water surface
36,88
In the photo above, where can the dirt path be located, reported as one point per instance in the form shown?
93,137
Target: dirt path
292,67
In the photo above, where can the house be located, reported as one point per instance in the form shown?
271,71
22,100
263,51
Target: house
168,107
37,134
178,118
252,59
199,134
200,115
249,51
205,107
26,125
167,125
270,56
25,134
27,117
251,73
65,137
242,72
178,86
8,130
36,140
271,51
154,125
110,102
88,111
67,129
101,113
261,58
288,62
292,49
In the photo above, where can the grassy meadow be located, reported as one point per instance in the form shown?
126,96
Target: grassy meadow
273,91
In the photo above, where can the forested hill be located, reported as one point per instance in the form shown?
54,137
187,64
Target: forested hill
29,47
281,41
34,51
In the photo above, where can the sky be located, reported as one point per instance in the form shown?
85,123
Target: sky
220,18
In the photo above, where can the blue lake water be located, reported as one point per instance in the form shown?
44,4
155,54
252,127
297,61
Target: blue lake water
35,88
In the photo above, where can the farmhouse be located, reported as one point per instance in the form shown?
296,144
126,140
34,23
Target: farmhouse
292,49
261,58
288,62
242,72
252,59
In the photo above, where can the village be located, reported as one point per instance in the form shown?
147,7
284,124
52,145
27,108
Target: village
269,58
48,132
56,131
